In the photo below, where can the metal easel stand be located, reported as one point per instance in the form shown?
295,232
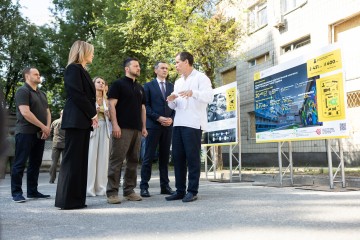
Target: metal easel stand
237,159
290,160
340,155
232,155
210,157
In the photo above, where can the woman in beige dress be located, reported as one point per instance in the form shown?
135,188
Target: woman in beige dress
99,144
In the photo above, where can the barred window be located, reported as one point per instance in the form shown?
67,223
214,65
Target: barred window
353,99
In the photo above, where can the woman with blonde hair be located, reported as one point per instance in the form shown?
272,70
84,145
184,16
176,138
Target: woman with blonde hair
99,144
79,118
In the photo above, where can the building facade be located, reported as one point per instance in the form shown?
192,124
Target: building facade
278,31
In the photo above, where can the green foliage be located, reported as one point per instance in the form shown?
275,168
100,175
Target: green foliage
75,20
109,44
23,45
147,29
157,30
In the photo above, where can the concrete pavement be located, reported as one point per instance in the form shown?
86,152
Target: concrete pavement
223,211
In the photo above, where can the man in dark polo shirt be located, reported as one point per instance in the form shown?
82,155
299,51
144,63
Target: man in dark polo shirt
32,128
128,118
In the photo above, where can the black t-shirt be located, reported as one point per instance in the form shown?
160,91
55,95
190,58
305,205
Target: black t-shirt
37,102
131,97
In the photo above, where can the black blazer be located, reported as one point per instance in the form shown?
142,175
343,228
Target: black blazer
156,105
80,98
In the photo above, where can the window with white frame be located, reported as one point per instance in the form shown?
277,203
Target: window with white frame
296,44
258,60
290,5
257,16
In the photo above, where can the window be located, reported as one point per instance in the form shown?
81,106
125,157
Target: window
252,62
296,44
228,76
258,60
290,5
257,16
353,99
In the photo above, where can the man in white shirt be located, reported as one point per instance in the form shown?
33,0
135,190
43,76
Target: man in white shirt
192,93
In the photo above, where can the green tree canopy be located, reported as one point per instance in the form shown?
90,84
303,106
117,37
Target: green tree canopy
22,44
157,30
148,30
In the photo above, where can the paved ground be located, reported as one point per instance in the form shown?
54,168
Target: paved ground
223,211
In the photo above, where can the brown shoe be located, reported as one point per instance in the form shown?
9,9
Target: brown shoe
133,197
113,199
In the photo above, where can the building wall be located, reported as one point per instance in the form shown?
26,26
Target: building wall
320,20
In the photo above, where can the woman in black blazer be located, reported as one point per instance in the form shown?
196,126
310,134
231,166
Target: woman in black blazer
79,117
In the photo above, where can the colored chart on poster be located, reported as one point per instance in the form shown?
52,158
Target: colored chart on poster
330,105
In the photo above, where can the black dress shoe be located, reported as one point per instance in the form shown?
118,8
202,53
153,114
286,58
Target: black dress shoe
144,193
167,190
189,197
38,195
175,196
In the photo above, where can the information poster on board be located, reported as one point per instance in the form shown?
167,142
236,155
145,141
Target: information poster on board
222,117
302,99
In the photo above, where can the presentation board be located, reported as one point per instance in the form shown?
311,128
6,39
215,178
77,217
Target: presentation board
222,117
302,99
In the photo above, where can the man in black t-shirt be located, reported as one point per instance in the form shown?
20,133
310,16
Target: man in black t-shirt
128,118
32,128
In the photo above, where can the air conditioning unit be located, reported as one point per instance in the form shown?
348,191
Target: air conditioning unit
279,22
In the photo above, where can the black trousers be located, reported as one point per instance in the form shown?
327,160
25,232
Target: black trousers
71,187
162,138
27,146
186,147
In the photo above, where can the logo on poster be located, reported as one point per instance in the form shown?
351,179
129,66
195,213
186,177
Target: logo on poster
328,130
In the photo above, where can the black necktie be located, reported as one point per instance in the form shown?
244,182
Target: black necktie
162,89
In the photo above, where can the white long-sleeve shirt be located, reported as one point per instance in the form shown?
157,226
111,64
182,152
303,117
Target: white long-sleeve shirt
191,112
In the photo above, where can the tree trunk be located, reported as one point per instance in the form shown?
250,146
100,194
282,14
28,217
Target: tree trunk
218,158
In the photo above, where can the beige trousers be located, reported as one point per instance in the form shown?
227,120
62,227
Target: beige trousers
98,161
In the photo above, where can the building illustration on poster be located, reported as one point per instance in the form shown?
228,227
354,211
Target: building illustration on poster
301,99
222,117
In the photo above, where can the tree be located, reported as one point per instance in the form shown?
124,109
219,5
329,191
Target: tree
159,29
74,20
22,45
148,30
109,43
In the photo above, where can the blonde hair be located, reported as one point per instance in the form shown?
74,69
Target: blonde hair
104,93
78,51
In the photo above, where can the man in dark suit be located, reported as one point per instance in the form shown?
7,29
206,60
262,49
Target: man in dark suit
159,119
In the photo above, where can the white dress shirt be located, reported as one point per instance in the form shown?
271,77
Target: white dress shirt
159,82
191,112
